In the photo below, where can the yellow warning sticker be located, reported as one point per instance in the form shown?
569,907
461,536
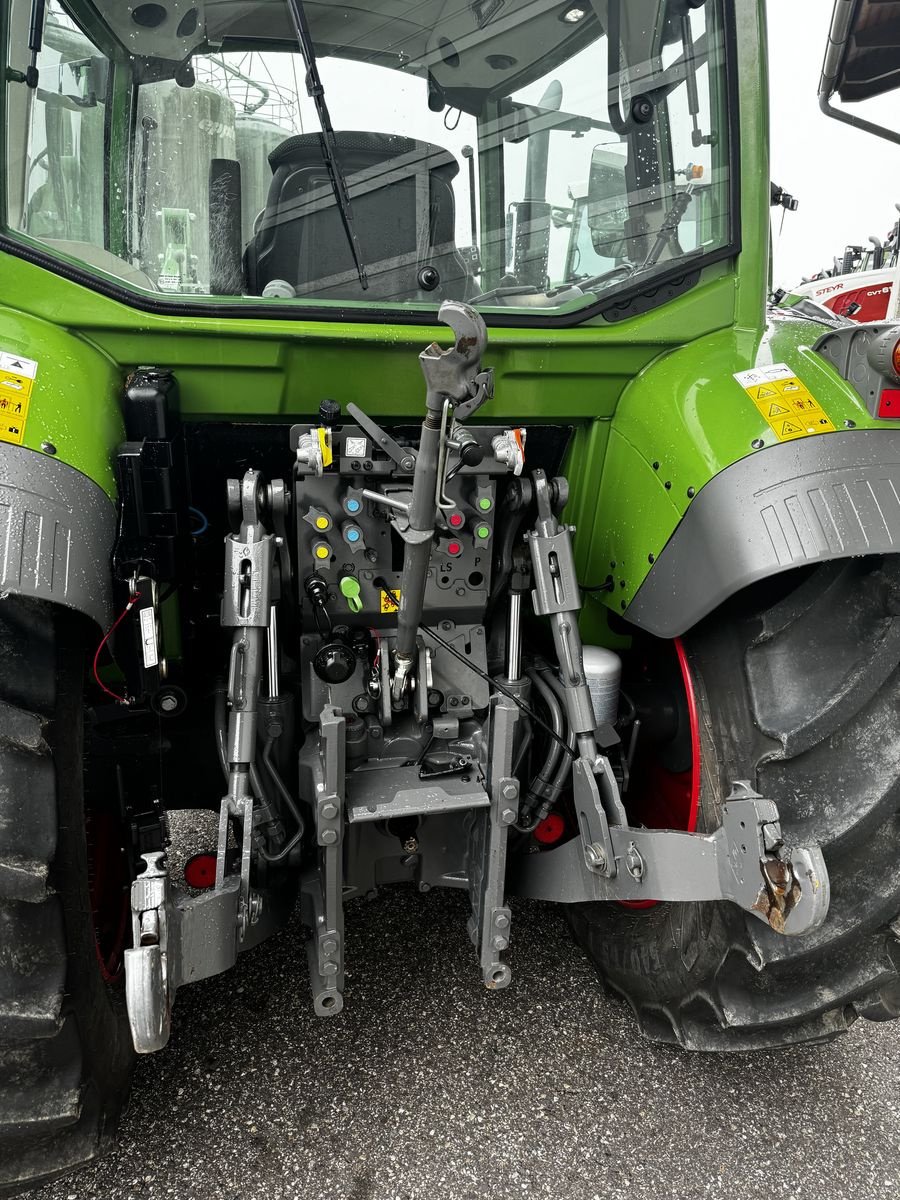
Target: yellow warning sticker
13,415
16,381
785,403
387,604
324,435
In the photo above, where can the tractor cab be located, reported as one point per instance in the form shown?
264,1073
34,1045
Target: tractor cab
389,156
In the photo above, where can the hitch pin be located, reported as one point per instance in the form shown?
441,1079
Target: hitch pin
380,498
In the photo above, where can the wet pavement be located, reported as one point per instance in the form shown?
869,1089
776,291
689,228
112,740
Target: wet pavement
429,1086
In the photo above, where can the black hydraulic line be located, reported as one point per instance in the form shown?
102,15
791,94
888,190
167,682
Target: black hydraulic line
316,91
541,786
565,765
289,801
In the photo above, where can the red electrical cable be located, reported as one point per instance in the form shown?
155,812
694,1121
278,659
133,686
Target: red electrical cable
133,599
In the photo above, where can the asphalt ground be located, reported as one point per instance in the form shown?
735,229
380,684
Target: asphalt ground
429,1086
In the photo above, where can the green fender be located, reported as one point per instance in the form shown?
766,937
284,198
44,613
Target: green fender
698,497
57,488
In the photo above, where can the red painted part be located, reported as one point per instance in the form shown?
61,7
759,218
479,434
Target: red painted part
873,302
889,403
674,797
108,888
200,871
694,723
456,520
550,830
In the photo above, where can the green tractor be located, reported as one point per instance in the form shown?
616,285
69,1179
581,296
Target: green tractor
432,519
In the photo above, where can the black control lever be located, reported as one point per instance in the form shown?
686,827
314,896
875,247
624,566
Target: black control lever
403,456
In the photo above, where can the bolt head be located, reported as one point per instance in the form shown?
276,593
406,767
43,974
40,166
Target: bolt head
329,946
499,943
329,837
595,855
502,921
329,968
168,703
510,791
329,810
508,815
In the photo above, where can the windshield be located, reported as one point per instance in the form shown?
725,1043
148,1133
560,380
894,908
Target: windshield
521,156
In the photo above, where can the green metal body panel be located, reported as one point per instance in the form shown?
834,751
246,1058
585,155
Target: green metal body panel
76,396
656,388
682,420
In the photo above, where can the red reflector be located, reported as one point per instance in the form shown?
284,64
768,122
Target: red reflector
454,548
550,830
889,403
455,519
200,871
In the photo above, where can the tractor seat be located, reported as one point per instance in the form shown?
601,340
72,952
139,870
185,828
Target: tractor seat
404,214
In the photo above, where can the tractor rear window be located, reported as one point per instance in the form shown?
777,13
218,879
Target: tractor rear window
524,157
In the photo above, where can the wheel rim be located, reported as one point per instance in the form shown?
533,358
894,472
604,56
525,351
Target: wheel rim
661,797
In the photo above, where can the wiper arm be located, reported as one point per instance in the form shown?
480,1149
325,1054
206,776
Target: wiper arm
316,92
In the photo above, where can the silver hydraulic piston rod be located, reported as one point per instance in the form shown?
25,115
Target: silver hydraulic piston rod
453,375
556,596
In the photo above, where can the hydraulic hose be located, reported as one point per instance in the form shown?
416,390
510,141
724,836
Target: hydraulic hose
548,783
562,771
289,802
547,771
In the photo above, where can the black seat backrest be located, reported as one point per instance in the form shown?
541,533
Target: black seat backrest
401,195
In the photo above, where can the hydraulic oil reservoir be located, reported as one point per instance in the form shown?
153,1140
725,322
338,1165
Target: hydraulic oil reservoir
603,674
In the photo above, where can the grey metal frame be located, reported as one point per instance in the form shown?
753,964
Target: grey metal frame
57,530
812,500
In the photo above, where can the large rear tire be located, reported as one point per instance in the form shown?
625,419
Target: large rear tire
797,689
65,1049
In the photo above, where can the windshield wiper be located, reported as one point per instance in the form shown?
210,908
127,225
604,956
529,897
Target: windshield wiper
316,92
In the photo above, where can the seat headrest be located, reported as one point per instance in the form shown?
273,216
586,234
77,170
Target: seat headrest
304,147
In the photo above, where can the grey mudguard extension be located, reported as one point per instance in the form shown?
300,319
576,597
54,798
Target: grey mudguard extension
57,529
791,505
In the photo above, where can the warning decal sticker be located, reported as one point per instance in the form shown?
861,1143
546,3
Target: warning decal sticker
16,381
784,402
387,604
